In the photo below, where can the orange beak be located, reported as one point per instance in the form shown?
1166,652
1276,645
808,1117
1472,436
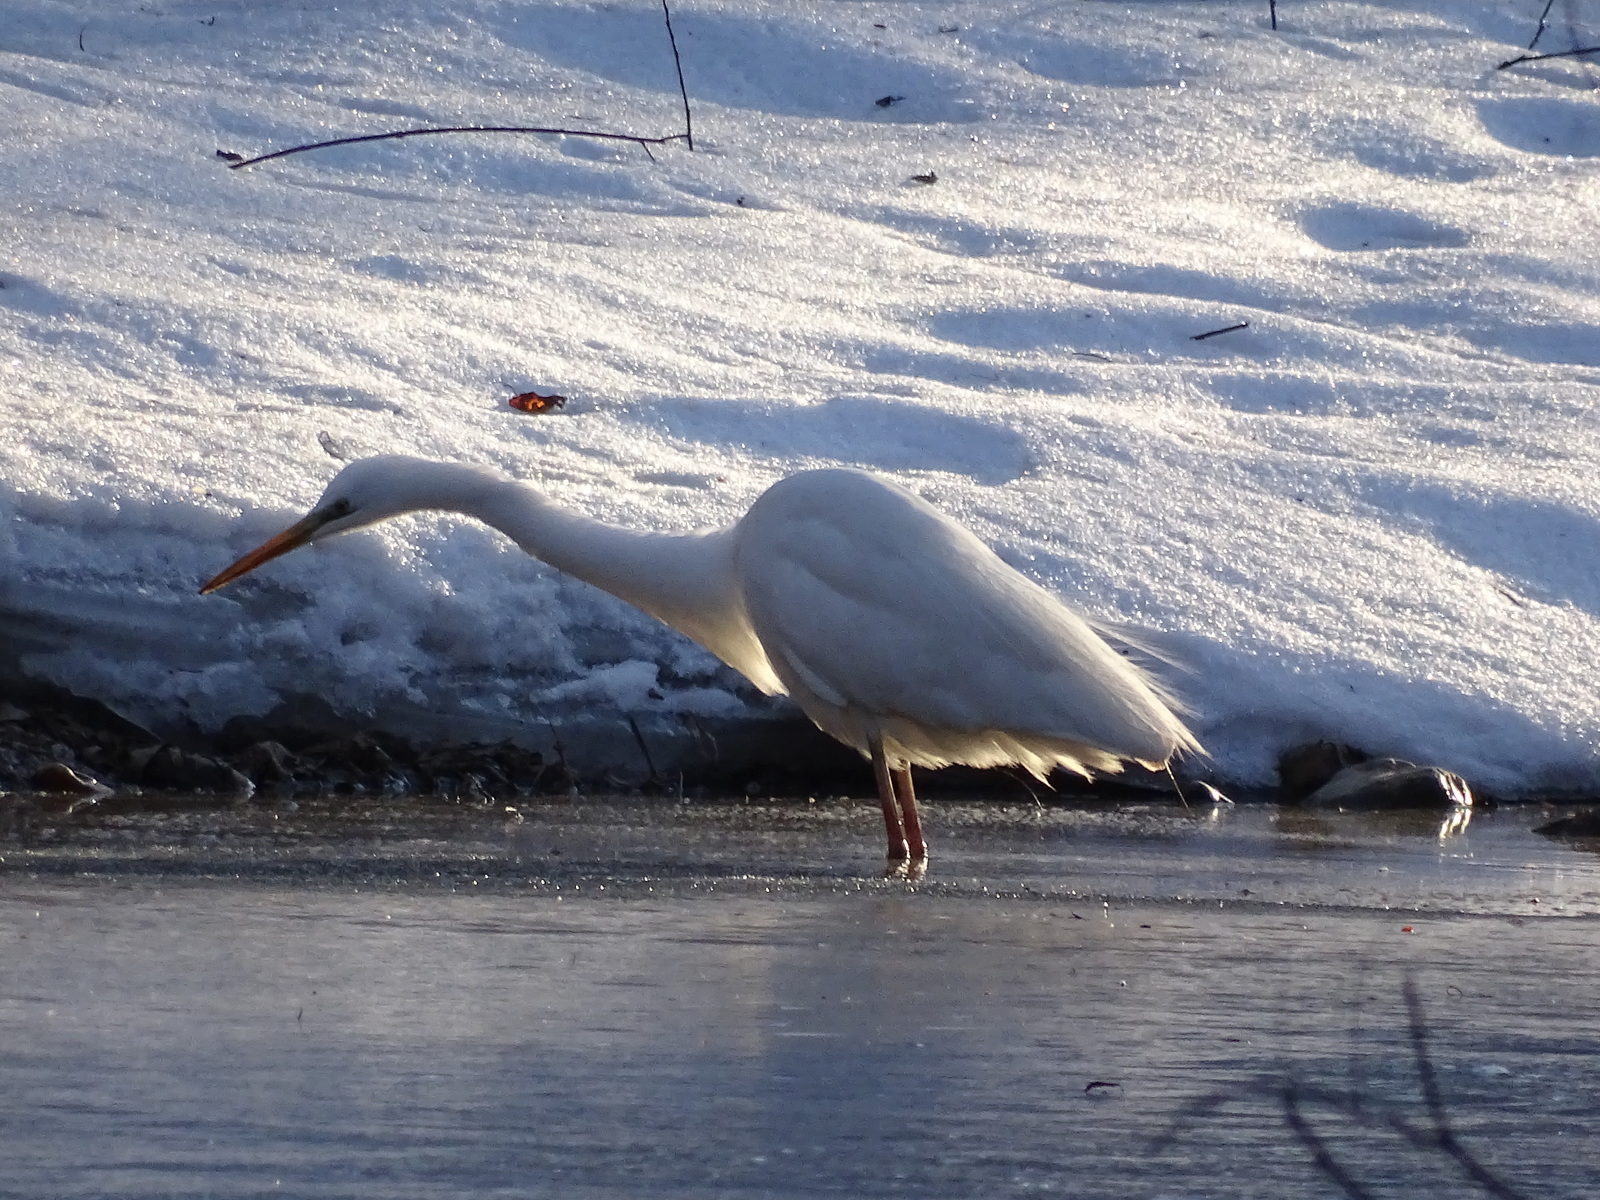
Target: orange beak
292,538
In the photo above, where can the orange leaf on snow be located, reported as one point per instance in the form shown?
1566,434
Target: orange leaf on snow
533,402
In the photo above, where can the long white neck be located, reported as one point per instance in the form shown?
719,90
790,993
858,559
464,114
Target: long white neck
677,578
687,581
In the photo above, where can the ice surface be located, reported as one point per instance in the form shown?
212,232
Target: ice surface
413,1000
1370,515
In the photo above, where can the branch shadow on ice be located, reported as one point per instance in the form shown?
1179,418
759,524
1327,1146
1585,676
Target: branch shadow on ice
1304,1108
885,434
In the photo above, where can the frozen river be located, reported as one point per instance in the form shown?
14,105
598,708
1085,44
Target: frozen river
415,1000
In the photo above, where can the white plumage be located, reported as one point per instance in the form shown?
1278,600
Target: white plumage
892,627
881,614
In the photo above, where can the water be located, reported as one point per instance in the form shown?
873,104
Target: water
409,1000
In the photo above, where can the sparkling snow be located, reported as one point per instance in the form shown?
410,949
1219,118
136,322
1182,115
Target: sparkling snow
1371,515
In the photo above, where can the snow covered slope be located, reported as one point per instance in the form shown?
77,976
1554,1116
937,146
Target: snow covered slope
1371,515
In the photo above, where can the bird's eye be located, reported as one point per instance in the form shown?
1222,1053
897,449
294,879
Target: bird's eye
340,508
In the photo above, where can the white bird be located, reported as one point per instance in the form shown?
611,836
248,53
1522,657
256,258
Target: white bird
892,627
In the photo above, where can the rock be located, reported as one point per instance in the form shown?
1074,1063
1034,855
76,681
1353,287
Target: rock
1304,769
177,770
1582,824
10,713
361,754
500,768
1385,783
268,762
60,779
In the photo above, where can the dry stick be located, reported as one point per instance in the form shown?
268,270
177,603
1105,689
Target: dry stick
1522,58
1200,337
1175,786
688,121
642,142
1539,32
407,133
1032,795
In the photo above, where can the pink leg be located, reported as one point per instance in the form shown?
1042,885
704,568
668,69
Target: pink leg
894,830
910,819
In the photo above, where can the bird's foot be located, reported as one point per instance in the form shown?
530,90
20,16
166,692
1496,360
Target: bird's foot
906,867
899,862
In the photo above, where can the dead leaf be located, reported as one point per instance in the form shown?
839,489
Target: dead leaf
533,402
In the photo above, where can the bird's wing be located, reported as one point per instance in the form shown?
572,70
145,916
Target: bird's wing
875,597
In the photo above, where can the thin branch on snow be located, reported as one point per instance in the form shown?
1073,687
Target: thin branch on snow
688,120
1200,337
1543,17
687,136
408,133
1526,58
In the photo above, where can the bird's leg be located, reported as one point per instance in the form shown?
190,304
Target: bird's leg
893,828
911,820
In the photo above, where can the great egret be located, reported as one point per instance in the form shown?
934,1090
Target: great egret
892,627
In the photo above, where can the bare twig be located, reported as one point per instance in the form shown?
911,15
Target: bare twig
1527,58
1200,337
409,133
644,143
1032,795
688,121
1544,16
1173,777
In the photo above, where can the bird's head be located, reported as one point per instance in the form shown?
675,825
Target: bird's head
369,490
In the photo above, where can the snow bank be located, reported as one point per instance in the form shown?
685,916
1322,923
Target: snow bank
1370,515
